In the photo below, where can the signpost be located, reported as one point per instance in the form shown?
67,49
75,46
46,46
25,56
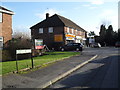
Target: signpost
23,51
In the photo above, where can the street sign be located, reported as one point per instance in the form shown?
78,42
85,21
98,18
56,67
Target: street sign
23,51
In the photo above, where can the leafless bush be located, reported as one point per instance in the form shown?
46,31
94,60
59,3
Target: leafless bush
19,41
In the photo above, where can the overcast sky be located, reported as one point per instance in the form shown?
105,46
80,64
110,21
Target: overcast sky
88,15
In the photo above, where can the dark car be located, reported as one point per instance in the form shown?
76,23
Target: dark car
71,47
117,44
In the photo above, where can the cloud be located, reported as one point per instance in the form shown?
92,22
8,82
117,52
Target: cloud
106,13
50,11
97,2
89,6
86,5
93,7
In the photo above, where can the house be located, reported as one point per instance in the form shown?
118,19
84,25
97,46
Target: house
5,25
56,31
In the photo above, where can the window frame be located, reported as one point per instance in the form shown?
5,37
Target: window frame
49,30
40,30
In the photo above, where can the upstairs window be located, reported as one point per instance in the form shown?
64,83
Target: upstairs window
76,32
0,17
72,31
40,30
68,30
50,29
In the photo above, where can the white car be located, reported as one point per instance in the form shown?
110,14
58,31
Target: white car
96,45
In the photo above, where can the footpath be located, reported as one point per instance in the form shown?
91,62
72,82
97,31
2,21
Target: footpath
46,76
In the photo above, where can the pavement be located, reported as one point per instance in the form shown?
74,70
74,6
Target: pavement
44,77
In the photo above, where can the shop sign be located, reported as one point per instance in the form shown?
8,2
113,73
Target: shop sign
39,44
69,35
70,38
91,40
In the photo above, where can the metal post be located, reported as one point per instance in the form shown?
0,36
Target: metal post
32,60
16,64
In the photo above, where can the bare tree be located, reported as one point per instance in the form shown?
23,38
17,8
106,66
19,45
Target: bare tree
105,22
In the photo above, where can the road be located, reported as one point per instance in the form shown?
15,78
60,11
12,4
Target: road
99,73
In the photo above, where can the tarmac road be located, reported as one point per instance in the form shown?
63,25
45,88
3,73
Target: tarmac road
99,73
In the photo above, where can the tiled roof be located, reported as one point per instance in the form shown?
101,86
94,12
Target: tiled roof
70,23
57,20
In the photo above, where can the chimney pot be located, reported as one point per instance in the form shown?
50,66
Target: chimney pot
47,15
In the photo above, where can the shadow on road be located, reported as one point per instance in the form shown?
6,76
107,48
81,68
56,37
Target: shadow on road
101,76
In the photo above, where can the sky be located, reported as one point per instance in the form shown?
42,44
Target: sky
89,15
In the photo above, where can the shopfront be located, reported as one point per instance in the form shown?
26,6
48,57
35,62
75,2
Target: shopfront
78,39
70,38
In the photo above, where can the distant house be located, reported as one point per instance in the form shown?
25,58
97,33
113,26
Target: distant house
5,25
56,31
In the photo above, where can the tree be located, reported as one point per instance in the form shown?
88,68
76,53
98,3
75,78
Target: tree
109,36
19,41
92,33
102,34
118,34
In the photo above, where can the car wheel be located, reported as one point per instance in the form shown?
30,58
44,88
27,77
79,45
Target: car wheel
62,49
77,49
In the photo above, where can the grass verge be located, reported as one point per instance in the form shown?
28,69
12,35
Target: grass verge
10,66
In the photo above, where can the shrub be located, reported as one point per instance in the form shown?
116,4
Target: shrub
16,44
6,55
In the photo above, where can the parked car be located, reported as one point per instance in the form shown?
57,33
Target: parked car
71,47
96,45
117,44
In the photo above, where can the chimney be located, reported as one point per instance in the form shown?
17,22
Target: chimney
47,15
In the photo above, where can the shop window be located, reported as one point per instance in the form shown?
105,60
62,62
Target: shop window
40,30
50,29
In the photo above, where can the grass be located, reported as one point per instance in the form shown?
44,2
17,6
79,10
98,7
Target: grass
10,66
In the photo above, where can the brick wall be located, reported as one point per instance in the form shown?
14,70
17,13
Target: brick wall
48,38
7,27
